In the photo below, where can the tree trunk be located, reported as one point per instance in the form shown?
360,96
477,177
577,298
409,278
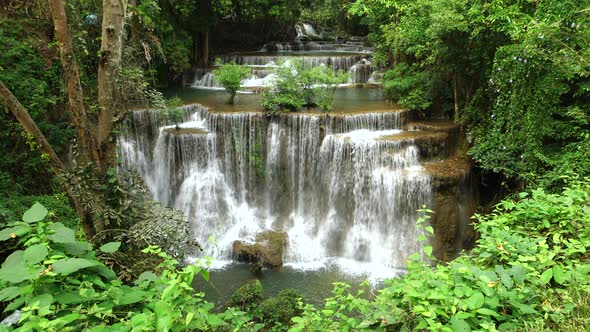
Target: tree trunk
195,49
204,41
86,139
113,21
456,97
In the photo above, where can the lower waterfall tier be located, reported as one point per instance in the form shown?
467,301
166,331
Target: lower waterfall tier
345,186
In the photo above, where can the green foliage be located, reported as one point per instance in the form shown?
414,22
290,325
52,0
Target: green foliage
34,78
231,76
171,110
296,85
528,266
58,282
514,72
248,296
540,103
281,308
407,86
332,16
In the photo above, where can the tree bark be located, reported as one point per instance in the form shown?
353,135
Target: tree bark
204,41
195,49
456,97
113,22
86,139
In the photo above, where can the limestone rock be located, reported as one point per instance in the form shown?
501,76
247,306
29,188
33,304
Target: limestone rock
268,249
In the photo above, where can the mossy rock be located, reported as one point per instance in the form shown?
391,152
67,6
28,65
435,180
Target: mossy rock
248,296
268,249
185,131
281,308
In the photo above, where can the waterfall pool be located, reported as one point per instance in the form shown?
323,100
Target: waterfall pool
315,284
346,99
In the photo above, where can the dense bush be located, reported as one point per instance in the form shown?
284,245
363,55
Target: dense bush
295,85
409,87
231,76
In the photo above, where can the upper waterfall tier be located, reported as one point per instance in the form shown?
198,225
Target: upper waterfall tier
329,180
352,56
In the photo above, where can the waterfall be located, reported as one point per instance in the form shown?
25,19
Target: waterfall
327,180
352,56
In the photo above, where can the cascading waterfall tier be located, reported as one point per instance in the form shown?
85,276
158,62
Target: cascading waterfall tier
328,180
352,56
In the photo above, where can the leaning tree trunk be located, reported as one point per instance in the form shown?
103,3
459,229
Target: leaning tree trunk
113,22
29,125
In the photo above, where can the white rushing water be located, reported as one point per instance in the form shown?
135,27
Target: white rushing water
338,190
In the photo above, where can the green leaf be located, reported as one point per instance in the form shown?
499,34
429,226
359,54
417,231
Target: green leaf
189,318
61,233
70,265
9,293
205,274
459,325
507,280
427,250
36,213
131,296
147,275
110,247
15,270
214,320
546,276
41,303
35,254
526,309
559,275
475,301
69,298
67,319
16,231
77,248
487,312
104,271
15,304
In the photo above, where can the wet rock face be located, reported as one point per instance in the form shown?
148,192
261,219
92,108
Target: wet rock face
454,195
268,249
453,206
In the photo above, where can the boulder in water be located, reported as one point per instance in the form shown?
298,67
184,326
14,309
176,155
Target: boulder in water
267,250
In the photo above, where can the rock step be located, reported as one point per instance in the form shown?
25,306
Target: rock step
433,145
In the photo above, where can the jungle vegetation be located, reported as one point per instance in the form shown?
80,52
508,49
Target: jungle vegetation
514,74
